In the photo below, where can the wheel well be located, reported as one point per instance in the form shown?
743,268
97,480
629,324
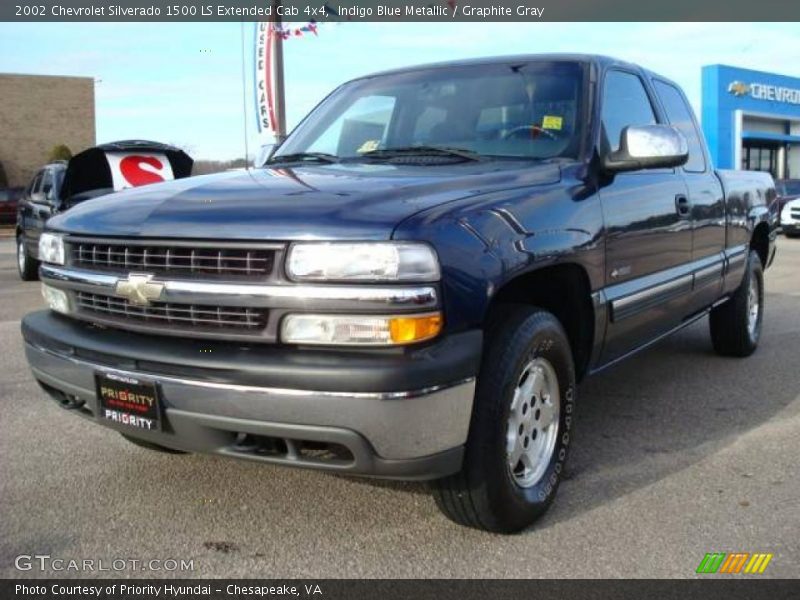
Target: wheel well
760,242
564,291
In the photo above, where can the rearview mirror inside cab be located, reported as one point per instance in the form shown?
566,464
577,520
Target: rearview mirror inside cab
648,147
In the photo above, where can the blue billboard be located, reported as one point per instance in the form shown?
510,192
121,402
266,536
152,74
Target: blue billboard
742,108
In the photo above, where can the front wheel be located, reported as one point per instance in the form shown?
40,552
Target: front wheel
521,425
27,267
736,324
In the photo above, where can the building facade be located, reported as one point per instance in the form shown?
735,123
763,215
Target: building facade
751,120
38,112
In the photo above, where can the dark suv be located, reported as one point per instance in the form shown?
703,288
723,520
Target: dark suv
38,203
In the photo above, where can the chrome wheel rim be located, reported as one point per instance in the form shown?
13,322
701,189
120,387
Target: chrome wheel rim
533,422
753,306
21,256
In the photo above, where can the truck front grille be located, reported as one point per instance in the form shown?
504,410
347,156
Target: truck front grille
214,318
174,260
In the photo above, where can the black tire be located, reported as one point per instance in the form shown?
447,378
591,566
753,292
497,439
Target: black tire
152,446
486,494
27,266
792,235
732,333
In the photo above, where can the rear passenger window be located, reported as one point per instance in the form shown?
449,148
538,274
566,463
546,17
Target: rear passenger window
625,102
680,116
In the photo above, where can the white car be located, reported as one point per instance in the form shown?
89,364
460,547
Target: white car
790,218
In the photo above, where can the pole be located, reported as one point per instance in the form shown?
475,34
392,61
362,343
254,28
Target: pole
280,93
244,101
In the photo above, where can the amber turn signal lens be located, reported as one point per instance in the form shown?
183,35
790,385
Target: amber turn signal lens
406,330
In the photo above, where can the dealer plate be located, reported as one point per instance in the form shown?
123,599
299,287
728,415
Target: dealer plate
128,401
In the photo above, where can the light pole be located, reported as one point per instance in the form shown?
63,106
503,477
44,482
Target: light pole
280,93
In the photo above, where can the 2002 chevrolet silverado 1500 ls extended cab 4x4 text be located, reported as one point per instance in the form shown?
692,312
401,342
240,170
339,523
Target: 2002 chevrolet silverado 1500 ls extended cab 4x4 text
413,284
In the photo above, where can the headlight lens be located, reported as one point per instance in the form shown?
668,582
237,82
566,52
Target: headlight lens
363,261
51,248
360,330
56,299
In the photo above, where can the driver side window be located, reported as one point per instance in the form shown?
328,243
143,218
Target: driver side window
361,128
36,184
625,102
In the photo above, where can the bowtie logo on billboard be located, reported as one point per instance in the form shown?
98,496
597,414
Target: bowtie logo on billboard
764,91
134,169
737,88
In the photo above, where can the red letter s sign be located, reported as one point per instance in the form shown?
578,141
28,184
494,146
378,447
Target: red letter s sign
133,170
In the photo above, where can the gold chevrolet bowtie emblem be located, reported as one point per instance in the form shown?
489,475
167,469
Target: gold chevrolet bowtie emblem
138,289
737,88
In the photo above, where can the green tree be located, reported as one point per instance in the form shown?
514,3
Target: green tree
60,152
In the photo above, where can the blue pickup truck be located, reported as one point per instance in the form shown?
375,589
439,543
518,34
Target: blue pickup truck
414,283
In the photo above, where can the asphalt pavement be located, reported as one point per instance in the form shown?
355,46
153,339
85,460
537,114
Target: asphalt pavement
677,452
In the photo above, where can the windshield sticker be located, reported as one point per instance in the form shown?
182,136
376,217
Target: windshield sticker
551,122
368,146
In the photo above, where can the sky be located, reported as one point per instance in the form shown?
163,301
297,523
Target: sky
183,83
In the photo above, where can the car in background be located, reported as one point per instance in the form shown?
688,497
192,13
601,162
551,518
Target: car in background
9,197
98,171
790,218
787,190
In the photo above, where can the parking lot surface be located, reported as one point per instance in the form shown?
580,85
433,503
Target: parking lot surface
677,453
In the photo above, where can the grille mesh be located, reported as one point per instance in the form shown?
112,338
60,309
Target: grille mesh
235,262
175,315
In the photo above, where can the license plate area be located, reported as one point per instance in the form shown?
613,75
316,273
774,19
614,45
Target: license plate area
131,402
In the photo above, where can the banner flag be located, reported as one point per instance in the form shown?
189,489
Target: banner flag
264,75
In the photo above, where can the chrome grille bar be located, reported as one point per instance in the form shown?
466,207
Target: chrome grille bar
362,298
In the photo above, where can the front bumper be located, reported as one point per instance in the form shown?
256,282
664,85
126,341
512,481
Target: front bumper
791,227
396,414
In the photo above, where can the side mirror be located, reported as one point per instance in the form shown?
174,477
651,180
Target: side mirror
648,147
264,154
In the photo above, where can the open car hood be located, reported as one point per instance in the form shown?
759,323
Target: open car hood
118,165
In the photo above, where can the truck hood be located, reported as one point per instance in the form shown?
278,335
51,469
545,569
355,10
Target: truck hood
340,201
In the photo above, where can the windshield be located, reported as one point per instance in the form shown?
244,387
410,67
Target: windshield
527,110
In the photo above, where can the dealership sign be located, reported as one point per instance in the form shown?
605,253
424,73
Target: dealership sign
264,85
763,91
132,169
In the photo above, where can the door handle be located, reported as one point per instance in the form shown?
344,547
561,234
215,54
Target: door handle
682,205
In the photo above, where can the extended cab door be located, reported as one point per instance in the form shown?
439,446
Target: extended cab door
706,199
648,229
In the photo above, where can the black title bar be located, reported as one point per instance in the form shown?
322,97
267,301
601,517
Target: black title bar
398,10
711,588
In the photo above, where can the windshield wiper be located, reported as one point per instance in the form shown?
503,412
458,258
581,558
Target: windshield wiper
422,151
323,157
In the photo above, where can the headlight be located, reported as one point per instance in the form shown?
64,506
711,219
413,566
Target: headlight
56,299
51,248
363,261
360,330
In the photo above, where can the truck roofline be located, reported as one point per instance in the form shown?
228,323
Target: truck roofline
595,59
